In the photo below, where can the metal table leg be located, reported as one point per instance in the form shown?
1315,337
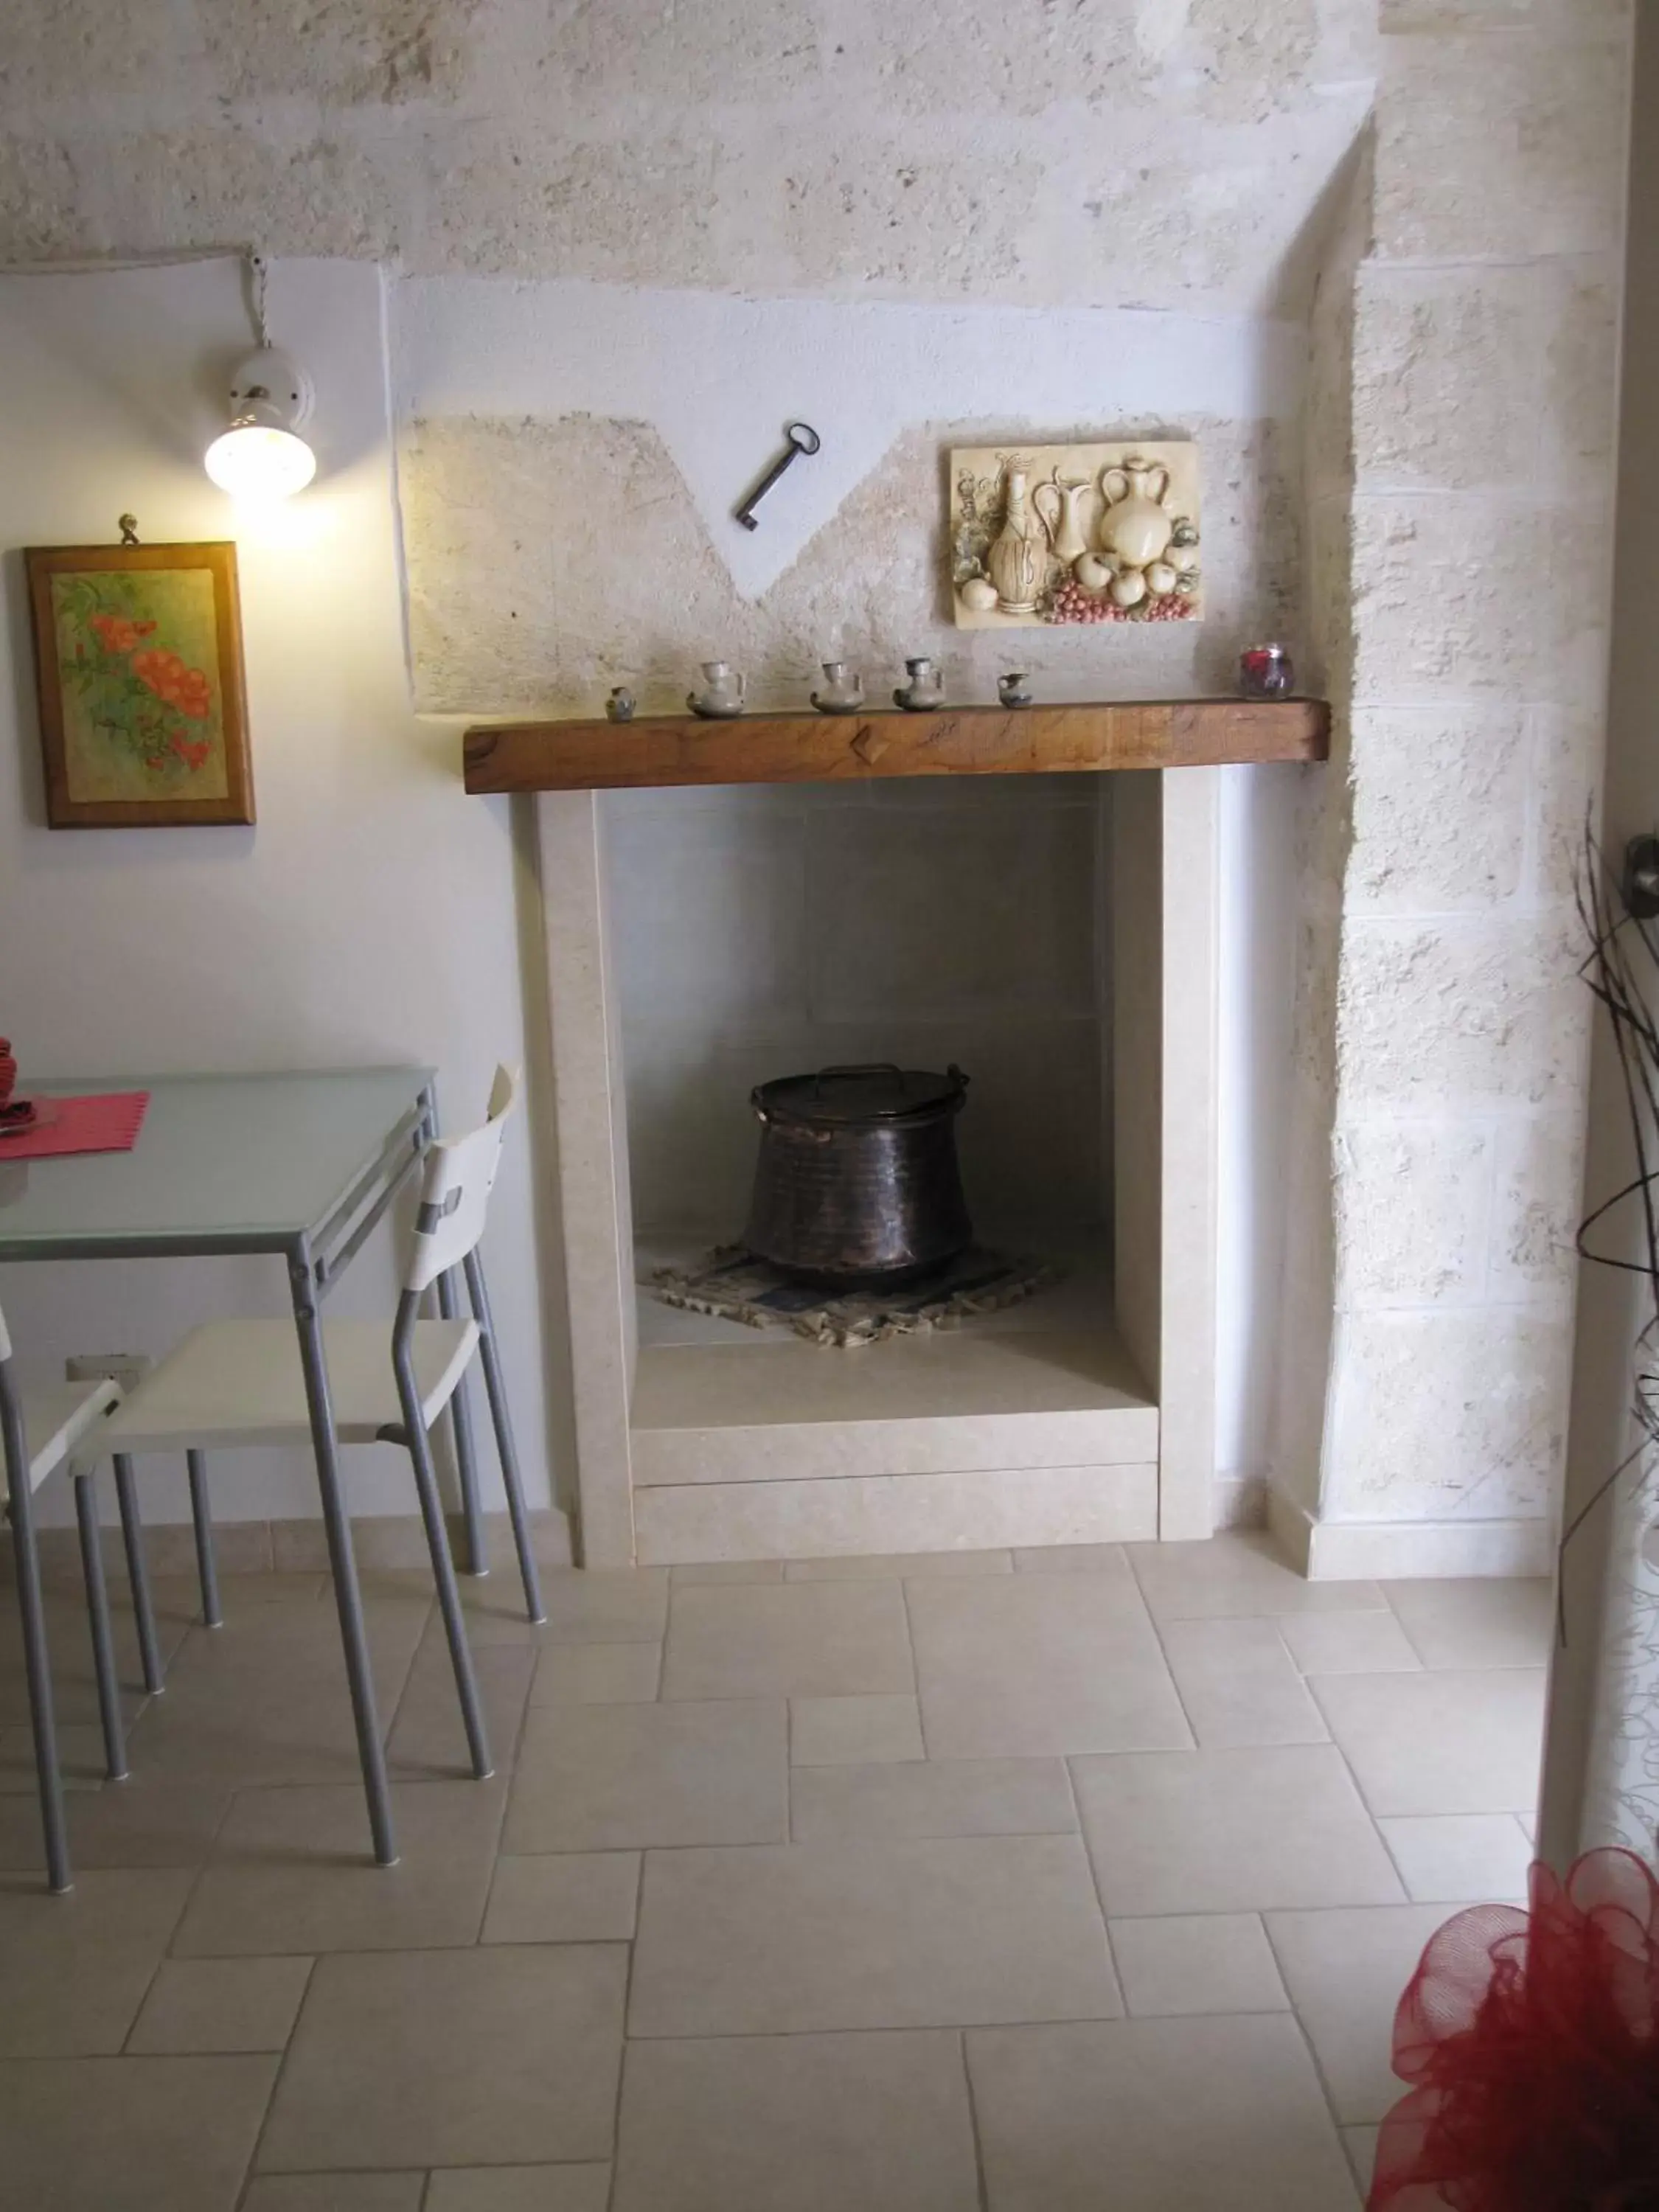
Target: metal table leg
476,1558
347,1597
37,1662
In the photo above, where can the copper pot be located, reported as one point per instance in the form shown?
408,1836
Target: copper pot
856,1180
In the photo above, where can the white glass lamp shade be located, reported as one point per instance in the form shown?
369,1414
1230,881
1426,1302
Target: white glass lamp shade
260,460
260,456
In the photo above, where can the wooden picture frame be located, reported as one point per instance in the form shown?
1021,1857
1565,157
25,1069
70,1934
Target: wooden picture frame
143,702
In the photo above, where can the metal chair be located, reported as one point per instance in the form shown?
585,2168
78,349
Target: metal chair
239,1383
42,1431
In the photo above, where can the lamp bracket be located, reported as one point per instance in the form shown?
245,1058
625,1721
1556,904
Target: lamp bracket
275,377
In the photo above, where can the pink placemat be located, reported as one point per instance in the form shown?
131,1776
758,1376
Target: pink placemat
102,1121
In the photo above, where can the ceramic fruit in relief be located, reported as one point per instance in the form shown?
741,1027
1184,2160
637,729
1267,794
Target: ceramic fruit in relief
137,656
1106,531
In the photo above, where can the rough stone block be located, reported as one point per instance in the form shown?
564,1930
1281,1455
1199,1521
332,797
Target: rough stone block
633,208
1477,593
1414,1201
1164,231
1445,1414
923,61
1441,799
1506,144
1568,749
900,220
1330,607
1578,315
1442,16
1460,1014
159,191
341,53
71,61
39,201
1449,375
1537,1209
585,54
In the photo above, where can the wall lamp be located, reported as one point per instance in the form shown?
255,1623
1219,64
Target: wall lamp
261,454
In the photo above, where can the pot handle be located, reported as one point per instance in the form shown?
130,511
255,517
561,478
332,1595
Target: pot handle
858,1067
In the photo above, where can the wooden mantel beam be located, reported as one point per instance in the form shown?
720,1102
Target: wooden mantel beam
673,748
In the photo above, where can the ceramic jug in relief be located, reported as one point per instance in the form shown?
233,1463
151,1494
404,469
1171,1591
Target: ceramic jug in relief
1017,563
1136,525
1060,503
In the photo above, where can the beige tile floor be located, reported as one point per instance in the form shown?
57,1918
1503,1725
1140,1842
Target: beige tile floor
1026,1882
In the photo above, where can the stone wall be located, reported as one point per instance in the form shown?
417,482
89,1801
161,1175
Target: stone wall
1108,151
1463,545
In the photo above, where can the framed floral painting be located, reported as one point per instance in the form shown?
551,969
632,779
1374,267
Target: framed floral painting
143,710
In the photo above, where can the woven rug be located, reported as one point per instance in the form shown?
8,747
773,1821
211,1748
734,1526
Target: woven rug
732,1283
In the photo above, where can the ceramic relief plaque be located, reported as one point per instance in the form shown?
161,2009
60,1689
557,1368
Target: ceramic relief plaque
1107,532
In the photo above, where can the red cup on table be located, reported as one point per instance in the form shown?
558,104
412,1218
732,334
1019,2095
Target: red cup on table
8,1073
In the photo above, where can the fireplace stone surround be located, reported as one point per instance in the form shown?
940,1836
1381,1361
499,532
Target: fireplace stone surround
977,1443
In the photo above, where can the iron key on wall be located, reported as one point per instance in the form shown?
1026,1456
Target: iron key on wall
803,439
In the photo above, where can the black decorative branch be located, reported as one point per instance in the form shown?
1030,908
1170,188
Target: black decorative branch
1622,972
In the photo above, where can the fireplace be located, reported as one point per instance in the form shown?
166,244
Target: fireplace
1055,935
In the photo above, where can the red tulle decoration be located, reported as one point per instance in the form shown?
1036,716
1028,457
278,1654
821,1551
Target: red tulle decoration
1532,2039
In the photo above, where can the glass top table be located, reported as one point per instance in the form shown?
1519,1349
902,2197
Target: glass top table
299,1165
222,1163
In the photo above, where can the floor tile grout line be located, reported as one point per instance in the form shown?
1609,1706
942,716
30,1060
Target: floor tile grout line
972,2124
910,2027
1197,1743
1401,1623
1365,1806
1326,2088
1376,1822
916,1668
1094,1883
625,2038
252,2168
199,1874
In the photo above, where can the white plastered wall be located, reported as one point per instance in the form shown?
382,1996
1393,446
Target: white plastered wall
369,918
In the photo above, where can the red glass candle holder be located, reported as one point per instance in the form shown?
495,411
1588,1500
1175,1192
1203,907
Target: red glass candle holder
1266,672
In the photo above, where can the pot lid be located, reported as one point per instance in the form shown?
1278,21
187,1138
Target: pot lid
881,1091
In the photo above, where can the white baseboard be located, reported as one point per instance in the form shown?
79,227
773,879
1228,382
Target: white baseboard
1391,1551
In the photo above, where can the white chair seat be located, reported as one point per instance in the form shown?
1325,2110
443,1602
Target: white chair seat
58,1418
237,1382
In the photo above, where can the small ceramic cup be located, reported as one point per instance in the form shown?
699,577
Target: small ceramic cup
924,691
1012,691
843,689
722,695
619,706
7,1072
